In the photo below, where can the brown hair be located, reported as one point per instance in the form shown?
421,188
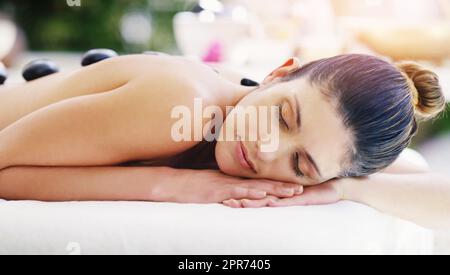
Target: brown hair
379,102
428,98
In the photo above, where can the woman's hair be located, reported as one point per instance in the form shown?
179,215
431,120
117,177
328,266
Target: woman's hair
380,103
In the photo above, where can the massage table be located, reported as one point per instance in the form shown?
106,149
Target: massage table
29,227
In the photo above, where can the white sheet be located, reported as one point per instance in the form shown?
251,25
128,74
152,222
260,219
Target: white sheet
161,228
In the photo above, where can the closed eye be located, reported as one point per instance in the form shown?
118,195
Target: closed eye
281,118
296,165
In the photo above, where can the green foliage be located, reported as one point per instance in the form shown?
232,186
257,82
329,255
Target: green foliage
442,123
435,127
52,25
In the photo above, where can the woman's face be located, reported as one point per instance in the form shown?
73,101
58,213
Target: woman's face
313,142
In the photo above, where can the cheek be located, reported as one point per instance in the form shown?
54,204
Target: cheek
224,158
276,168
220,155
281,170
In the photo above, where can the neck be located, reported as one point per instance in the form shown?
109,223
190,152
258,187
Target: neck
240,92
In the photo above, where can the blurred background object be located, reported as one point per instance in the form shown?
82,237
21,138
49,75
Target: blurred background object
400,29
11,40
125,25
236,31
250,36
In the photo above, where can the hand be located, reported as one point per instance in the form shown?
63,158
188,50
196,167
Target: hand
209,186
325,193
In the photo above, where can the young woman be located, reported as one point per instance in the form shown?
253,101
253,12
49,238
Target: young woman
105,133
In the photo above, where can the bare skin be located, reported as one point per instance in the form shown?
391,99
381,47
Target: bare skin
70,143
84,107
67,124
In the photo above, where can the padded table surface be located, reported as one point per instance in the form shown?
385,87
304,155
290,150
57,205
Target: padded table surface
28,227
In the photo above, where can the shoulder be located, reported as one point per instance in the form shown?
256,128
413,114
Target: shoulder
157,65
415,158
168,78
409,161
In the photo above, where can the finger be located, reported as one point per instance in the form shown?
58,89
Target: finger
246,193
299,189
321,194
294,201
310,197
245,203
232,203
279,189
255,203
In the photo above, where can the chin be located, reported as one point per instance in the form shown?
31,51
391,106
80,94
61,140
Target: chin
226,162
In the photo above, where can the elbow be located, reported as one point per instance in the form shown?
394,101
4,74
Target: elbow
5,160
3,184
9,183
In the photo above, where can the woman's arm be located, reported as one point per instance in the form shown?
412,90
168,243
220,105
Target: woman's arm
420,198
406,189
132,184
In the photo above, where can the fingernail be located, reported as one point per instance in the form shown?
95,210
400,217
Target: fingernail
298,190
272,203
288,191
235,204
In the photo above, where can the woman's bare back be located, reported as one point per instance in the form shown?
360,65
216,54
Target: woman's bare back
109,113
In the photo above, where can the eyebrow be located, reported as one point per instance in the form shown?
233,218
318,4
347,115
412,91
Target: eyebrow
299,124
299,118
311,160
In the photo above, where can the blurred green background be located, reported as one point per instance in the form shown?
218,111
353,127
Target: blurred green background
53,25
126,26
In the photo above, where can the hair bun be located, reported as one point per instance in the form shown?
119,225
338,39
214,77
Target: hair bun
426,90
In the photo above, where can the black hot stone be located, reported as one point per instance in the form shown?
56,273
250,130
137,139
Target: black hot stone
39,68
3,74
249,83
97,55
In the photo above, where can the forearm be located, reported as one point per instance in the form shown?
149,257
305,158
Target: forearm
421,198
83,184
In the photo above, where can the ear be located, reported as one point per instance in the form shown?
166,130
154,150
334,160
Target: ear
290,66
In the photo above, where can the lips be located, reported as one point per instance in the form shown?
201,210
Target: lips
242,156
